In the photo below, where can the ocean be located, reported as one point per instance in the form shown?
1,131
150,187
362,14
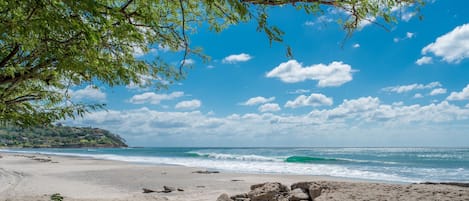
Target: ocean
404,165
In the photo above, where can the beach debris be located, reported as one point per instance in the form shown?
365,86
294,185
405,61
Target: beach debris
146,190
235,180
460,184
206,172
168,189
56,197
180,189
274,191
224,197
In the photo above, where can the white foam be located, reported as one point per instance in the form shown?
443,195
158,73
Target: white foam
246,166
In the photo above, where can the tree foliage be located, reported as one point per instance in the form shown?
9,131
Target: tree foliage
48,46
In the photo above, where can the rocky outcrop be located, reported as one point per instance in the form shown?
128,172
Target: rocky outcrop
269,192
274,191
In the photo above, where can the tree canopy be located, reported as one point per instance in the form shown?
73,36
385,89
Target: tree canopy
49,46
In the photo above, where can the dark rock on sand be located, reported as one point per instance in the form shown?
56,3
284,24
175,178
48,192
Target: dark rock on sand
206,172
168,189
146,190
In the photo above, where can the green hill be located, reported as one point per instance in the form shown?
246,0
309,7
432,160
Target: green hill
58,137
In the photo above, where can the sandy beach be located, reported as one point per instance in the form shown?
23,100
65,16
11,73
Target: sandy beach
35,177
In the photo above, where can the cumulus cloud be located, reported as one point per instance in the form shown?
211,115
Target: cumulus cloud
463,95
323,19
188,105
90,92
236,58
334,74
424,60
314,100
258,100
140,126
437,91
299,91
411,87
453,46
269,107
418,95
154,98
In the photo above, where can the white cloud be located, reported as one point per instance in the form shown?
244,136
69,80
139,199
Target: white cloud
188,105
269,107
153,98
418,95
334,74
437,91
88,93
146,127
453,46
314,100
411,87
406,16
362,24
188,62
323,19
463,95
424,60
300,91
236,58
356,45
258,100
410,35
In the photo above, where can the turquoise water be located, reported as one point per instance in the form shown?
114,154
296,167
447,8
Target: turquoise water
384,164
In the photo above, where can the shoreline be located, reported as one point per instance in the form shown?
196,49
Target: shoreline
35,177
273,174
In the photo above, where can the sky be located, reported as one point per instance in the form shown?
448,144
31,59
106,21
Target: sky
406,86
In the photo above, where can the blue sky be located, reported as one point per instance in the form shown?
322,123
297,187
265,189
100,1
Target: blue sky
408,86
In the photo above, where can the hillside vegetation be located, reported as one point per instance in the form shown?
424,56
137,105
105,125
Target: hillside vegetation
58,137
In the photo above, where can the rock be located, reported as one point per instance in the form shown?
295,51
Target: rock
180,189
146,190
224,197
302,185
168,189
239,196
269,192
315,190
206,172
298,194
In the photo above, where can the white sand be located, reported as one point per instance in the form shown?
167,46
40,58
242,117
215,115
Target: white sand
24,178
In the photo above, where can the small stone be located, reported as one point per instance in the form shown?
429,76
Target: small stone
169,188
146,190
224,197
243,195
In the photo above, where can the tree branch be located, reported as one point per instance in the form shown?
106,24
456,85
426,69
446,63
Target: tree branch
9,56
186,48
